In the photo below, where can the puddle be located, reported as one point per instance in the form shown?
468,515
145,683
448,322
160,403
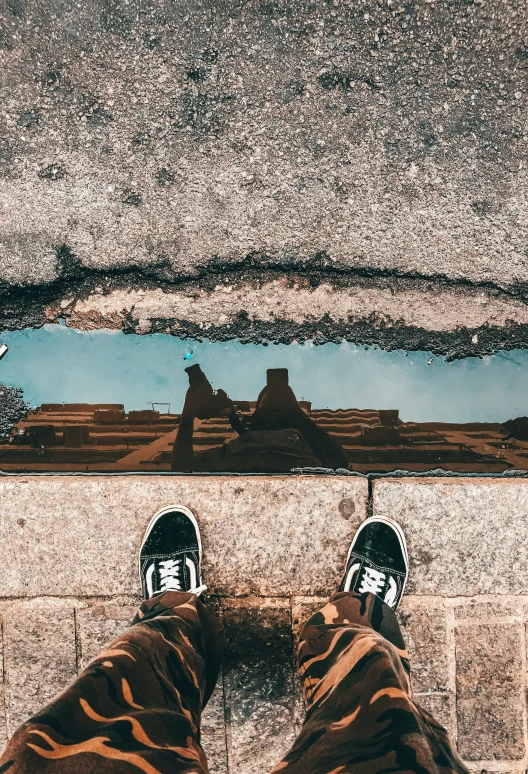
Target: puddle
108,401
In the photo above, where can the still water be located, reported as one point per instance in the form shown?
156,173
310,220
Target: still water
106,401
60,365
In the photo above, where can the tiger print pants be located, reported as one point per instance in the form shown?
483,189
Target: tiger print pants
136,708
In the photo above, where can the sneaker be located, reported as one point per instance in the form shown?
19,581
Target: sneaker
170,556
377,561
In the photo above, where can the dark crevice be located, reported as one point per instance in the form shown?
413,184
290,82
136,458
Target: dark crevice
370,332
25,306
259,267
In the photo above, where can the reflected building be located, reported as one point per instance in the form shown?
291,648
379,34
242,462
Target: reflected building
272,434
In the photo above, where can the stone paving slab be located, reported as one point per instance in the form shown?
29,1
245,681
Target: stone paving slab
258,680
269,536
40,652
489,688
465,536
470,674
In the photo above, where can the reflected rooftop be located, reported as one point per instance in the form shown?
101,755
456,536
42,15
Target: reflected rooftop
114,402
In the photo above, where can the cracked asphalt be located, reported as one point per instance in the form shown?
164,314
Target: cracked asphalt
214,151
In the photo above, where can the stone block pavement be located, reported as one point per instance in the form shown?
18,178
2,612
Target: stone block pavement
274,550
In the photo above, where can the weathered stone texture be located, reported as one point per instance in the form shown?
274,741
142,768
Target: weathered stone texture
261,535
214,737
488,609
170,140
425,634
98,625
4,732
460,534
259,685
490,699
41,658
256,710
290,535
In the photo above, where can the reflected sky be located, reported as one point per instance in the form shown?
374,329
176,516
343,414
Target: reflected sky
55,364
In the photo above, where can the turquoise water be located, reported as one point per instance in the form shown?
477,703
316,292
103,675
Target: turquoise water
57,364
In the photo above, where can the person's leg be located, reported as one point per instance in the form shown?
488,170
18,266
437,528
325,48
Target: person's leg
137,707
361,717
201,402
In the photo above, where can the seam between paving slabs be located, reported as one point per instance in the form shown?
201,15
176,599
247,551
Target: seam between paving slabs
523,690
61,601
341,472
450,624
5,680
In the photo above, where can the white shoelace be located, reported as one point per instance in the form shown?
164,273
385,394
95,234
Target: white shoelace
171,577
372,581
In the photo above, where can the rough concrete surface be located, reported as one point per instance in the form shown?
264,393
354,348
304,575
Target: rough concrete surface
147,144
269,536
465,536
490,689
444,320
40,651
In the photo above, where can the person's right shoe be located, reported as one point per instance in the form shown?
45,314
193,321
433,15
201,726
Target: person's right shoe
377,561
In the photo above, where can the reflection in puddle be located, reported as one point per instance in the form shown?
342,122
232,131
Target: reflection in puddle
110,402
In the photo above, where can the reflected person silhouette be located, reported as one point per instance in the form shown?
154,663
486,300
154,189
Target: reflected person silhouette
277,437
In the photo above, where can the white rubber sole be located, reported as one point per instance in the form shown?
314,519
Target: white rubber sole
397,529
162,512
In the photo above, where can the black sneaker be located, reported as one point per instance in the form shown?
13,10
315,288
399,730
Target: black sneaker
378,561
170,556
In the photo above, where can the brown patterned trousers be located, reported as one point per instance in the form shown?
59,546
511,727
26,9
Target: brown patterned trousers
137,707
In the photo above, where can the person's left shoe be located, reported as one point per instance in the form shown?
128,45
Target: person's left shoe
377,561
170,556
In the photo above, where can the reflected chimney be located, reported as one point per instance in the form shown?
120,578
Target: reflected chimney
277,377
